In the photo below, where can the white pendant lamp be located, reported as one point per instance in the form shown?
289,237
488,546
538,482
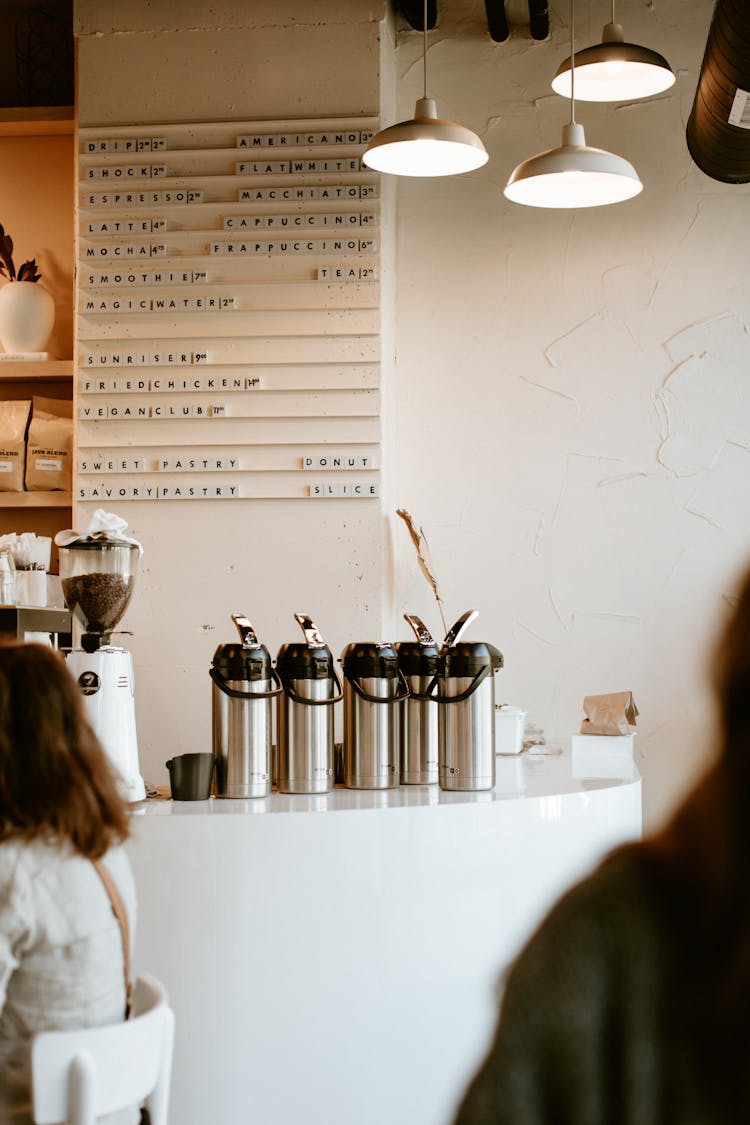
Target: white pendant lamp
425,145
614,71
573,175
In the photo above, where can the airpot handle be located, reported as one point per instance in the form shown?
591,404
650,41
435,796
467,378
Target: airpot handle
421,632
246,631
310,629
453,635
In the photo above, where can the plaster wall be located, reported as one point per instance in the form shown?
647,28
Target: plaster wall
573,406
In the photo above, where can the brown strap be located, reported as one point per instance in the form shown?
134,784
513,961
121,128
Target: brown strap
118,909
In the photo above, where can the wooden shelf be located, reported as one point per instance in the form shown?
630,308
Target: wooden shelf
37,370
36,121
36,500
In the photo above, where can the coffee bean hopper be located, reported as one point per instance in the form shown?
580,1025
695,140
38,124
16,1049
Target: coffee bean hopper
97,572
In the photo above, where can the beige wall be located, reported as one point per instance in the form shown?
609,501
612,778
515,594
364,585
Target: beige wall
36,203
569,414
576,385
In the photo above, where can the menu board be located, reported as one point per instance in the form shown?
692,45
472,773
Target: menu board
228,298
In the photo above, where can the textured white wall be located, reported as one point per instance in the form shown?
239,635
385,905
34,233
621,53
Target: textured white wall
573,421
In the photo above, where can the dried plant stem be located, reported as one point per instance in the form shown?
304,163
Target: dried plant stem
422,548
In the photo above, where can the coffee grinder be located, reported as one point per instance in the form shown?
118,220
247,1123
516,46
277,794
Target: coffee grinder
97,571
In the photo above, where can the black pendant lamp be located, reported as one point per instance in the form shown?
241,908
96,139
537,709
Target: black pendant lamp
614,71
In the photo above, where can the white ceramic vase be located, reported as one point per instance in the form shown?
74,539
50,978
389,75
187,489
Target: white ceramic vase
27,313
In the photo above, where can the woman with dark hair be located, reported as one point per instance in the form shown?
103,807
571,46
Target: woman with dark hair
630,1004
63,871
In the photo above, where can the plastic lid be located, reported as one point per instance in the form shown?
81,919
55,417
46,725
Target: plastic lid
234,662
368,659
300,661
416,659
468,658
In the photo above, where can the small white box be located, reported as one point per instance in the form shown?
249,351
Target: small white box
603,756
623,743
510,723
603,764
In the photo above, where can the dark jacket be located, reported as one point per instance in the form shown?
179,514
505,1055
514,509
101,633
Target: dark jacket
596,1025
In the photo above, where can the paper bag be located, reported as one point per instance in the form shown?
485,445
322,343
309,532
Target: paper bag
50,446
14,418
614,713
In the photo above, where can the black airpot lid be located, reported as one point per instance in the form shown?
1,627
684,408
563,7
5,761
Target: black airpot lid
234,662
416,659
363,659
301,661
468,658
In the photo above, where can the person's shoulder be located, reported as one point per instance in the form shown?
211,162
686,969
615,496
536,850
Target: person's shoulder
117,857
621,888
116,860
610,906
23,860
17,865
620,880
11,853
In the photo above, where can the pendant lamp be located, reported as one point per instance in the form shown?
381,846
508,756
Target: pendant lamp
614,71
425,145
573,175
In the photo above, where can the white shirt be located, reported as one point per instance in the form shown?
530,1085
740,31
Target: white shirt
61,956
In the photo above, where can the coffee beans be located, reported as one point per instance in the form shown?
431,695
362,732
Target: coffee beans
98,600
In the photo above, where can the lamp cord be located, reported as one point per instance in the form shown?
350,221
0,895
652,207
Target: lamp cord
424,49
572,65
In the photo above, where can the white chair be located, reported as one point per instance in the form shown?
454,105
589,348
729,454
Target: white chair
77,1076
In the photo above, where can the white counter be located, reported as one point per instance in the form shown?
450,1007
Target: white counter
334,960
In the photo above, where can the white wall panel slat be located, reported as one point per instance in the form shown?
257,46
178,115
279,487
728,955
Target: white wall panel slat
231,431
237,322
272,296
273,404
109,460
99,355
157,489
239,378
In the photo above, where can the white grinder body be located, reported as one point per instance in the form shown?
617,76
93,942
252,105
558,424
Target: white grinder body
106,682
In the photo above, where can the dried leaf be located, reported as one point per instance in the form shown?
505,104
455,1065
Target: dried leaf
28,271
6,253
422,548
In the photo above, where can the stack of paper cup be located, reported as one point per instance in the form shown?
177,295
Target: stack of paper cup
31,587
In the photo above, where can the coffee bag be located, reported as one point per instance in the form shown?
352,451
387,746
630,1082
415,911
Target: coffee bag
49,460
14,418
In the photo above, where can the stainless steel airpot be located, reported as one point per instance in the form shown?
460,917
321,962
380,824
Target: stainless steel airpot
466,710
243,685
417,660
304,723
373,689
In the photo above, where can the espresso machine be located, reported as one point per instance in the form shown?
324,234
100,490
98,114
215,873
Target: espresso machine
97,571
